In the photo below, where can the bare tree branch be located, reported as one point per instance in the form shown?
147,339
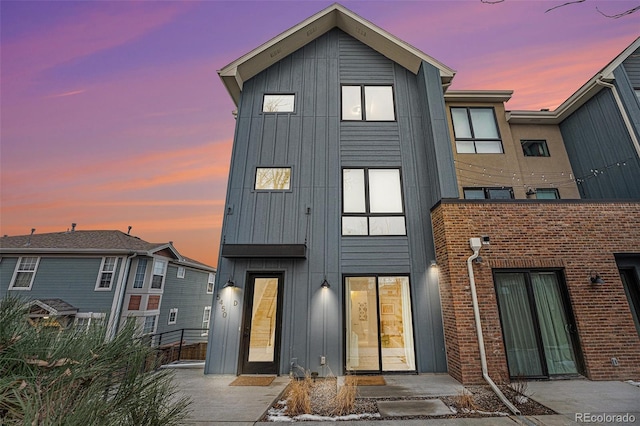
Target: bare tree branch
564,4
620,15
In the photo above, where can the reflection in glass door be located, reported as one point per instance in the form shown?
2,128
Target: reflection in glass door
379,326
536,324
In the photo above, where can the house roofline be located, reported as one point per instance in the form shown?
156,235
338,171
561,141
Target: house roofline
578,98
335,16
478,95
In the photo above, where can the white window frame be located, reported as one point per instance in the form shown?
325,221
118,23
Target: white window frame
104,271
210,282
206,320
18,270
181,271
173,312
153,327
86,318
163,274
144,273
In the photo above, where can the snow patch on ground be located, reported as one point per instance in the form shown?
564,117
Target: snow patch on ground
280,415
633,383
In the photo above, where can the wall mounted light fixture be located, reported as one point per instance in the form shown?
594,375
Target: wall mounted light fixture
230,283
595,278
325,283
434,263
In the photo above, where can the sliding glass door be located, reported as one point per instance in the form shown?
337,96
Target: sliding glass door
538,330
379,335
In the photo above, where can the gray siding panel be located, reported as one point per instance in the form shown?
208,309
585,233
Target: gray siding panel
602,156
317,144
632,67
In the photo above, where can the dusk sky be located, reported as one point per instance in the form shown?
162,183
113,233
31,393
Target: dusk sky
112,113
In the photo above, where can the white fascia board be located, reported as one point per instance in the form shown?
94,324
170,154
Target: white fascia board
36,251
478,95
237,72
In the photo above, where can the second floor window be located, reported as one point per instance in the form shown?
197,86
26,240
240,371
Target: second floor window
368,103
273,178
476,131
107,272
159,269
372,202
278,103
138,281
488,193
25,273
535,148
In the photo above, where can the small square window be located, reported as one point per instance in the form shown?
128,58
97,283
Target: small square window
180,272
547,194
278,103
535,148
273,178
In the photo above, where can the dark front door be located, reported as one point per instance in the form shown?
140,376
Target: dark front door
260,343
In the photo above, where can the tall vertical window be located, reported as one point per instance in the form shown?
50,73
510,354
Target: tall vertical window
107,272
372,202
210,282
141,270
377,101
159,269
631,285
206,318
476,131
173,316
180,273
25,273
149,324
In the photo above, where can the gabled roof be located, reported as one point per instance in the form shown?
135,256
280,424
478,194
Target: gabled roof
53,307
92,242
580,97
335,16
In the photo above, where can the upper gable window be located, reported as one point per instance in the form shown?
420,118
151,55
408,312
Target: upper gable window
278,103
273,178
25,273
180,273
377,101
535,148
476,131
159,270
107,272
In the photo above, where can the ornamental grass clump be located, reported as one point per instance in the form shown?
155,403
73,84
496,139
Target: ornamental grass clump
53,376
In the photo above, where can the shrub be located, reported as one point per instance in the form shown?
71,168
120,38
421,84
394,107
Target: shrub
50,376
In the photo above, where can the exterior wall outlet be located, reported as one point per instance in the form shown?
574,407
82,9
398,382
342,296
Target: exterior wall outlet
614,362
323,360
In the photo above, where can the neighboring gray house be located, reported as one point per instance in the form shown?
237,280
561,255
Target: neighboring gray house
341,148
80,276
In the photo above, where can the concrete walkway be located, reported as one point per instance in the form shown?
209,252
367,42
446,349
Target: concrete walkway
216,403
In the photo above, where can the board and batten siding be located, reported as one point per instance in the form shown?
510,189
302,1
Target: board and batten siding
72,279
316,144
599,147
632,67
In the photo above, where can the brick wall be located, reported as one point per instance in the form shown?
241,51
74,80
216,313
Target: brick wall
577,236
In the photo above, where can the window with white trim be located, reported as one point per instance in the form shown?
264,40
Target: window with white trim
476,130
173,316
107,272
206,319
82,320
377,101
159,270
372,202
141,270
210,282
149,324
278,103
180,272
24,273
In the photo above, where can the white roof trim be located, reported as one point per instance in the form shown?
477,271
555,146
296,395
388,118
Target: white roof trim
478,95
335,16
577,99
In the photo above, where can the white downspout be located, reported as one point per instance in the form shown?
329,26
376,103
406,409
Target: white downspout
623,112
476,244
121,290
